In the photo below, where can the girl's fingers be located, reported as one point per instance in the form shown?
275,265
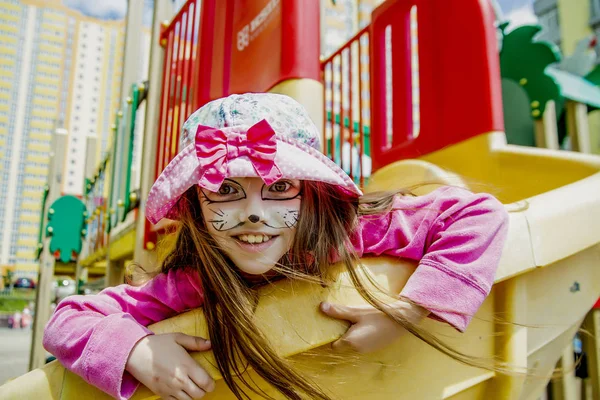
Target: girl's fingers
193,390
359,338
338,311
181,395
346,342
192,343
201,379
341,345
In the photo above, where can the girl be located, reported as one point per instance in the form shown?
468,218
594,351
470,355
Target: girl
255,201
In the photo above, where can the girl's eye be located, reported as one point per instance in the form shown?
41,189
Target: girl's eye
226,189
229,191
280,187
281,190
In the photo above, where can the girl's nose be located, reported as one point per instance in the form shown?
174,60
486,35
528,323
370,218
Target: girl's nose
254,211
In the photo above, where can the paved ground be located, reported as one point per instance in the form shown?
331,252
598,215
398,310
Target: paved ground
14,352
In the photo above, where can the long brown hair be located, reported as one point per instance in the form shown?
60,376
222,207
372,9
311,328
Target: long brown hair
328,218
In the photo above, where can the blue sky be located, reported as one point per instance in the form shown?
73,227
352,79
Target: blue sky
105,9
108,9
518,11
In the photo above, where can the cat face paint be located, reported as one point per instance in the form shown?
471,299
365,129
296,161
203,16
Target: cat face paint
253,223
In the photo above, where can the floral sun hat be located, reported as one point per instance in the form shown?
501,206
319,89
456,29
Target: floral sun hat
250,135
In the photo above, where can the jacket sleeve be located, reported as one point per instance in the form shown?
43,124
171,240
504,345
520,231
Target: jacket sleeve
93,335
457,237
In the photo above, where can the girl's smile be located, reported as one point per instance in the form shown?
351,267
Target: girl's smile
253,223
255,243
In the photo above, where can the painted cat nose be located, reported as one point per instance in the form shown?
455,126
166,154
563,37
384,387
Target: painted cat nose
254,218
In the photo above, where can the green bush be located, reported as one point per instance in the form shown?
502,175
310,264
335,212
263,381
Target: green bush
10,304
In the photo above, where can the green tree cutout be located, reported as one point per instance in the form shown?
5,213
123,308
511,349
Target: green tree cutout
66,219
524,59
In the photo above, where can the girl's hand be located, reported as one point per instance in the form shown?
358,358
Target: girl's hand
371,329
162,363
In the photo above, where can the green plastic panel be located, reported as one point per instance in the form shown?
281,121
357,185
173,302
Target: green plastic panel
575,88
518,122
524,60
66,221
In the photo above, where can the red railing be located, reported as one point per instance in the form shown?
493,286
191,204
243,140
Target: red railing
459,77
344,107
180,40
458,91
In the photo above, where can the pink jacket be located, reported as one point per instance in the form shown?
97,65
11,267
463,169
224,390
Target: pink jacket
457,237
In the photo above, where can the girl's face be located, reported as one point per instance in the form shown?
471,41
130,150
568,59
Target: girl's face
254,224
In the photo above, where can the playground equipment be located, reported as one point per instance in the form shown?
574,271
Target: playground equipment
546,106
548,277
554,107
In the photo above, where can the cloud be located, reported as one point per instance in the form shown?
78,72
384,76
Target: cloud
105,9
522,16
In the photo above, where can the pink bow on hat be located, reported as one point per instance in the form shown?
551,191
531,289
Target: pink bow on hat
214,149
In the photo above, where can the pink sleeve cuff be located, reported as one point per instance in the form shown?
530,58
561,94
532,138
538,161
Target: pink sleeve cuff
107,358
440,291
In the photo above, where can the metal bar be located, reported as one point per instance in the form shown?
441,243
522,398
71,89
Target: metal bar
181,78
342,114
160,150
332,83
350,116
196,57
170,100
360,115
189,98
134,106
175,122
324,133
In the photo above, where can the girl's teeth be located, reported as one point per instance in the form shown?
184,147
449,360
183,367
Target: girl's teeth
254,238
